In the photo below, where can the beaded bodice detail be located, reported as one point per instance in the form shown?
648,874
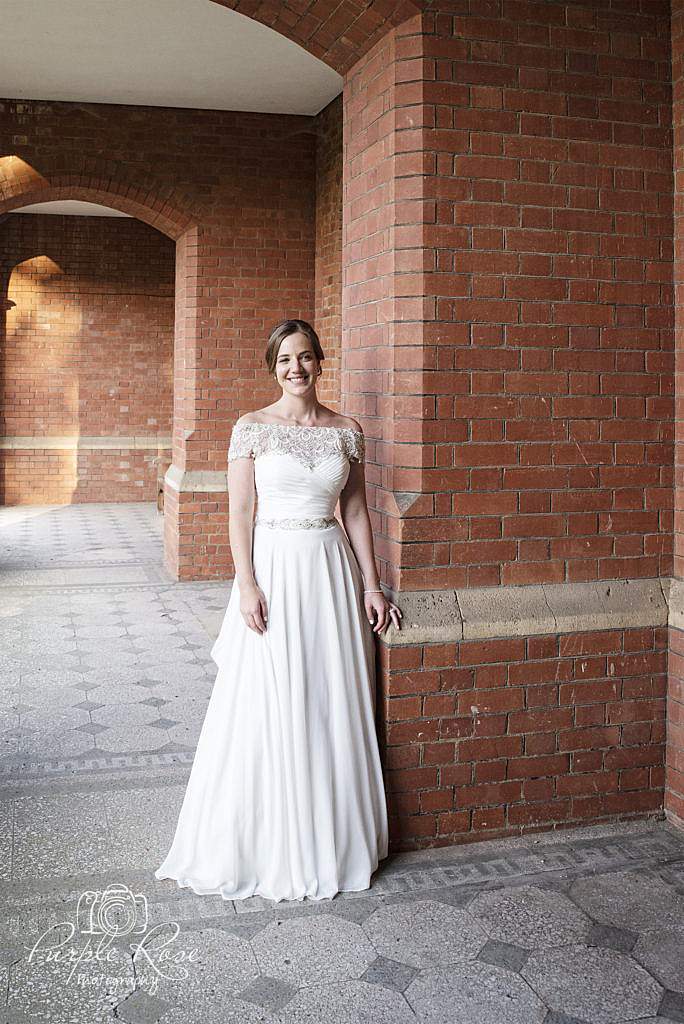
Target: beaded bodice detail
299,471
308,445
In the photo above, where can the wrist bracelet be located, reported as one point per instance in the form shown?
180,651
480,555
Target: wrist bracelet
373,591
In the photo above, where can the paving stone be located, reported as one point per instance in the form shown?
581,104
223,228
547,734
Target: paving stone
106,629
64,995
222,966
51,698
131,738
456,897
661,952
91,661
113,694
655,1020
630,899
530,917
350,1002
473,993
605,935
59,835
163,723
141,1008
125,716
389,973
269,993
313,950
503,954
186,734
61,743
5,857
672,1006
92,728
424,932
358,909
598,985
562,1018
168,672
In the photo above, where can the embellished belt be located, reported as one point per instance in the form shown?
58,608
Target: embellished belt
320,523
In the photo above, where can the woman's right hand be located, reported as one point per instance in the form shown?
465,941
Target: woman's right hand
253,607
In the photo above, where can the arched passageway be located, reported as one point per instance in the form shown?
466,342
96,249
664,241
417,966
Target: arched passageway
23,185
86,358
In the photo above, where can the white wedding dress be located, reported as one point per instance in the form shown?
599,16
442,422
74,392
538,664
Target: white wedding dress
286,798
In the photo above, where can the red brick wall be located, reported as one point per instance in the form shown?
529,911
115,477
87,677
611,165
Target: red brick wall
495,737
518,155
674,783
88,353
328,322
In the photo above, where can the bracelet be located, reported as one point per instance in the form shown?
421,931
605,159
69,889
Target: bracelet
373,591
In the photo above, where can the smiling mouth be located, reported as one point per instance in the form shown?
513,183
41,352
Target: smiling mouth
298,380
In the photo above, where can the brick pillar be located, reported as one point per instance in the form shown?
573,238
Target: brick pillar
386,307
507,316
674,772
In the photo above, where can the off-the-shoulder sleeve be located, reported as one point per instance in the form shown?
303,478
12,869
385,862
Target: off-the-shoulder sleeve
241,442
356,446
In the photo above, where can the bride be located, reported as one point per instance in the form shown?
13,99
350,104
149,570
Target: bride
285,798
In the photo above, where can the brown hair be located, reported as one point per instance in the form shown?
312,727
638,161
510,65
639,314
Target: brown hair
282,331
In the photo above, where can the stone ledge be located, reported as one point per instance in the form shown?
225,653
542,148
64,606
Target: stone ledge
207,481
439,616
483,613
72,443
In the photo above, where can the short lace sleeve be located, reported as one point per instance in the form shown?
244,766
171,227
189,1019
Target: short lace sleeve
241,442
356,446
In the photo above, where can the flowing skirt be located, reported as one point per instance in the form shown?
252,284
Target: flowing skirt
285,797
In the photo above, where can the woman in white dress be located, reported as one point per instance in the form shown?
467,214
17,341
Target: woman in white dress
285,797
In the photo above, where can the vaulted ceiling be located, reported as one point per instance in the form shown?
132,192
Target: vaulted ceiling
171,53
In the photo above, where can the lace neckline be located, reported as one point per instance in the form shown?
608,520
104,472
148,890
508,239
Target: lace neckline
299,426
308,444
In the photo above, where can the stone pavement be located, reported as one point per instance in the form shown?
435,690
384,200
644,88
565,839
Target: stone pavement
106,674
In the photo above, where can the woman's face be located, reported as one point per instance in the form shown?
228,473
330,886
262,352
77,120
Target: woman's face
296,365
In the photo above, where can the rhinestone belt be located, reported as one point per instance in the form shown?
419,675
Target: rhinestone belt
321,523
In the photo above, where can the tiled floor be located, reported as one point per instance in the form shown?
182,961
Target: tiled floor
106,675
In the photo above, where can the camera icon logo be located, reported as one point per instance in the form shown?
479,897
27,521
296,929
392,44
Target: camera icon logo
112,911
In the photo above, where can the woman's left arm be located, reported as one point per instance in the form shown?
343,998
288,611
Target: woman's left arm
356,521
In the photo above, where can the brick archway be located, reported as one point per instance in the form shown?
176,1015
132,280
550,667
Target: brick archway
337,33
169,213
22,185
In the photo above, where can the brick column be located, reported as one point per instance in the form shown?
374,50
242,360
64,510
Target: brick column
507,314
674,774
386,305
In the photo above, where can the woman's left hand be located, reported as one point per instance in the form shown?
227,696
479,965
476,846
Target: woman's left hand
383,611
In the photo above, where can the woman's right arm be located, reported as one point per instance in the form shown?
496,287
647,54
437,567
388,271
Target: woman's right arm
241,494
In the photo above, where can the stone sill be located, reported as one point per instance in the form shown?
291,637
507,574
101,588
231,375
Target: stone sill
478,613
71,443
